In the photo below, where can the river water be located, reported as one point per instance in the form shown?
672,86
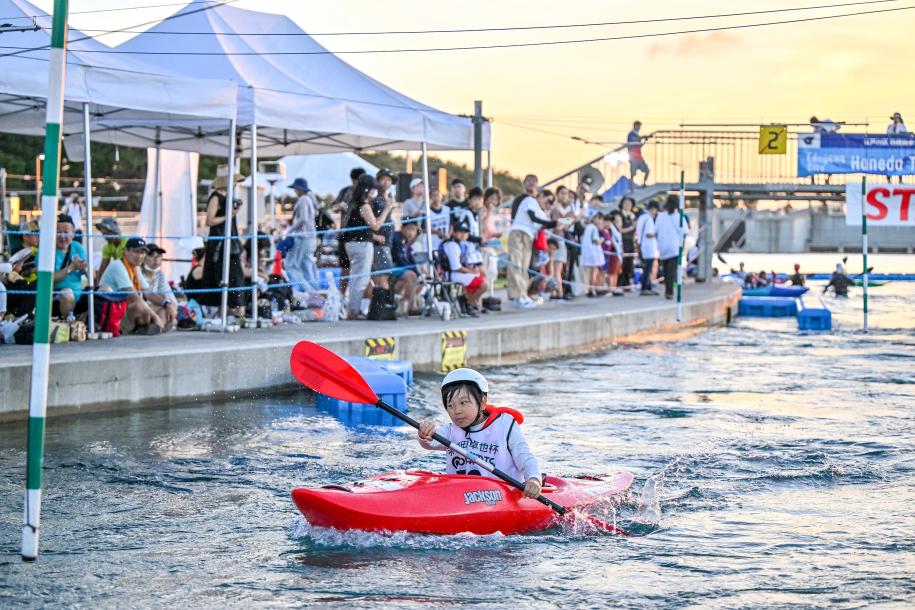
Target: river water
783,465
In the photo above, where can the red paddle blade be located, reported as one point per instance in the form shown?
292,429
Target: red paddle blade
327,373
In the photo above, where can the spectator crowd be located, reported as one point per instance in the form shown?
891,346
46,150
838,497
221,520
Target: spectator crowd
360,255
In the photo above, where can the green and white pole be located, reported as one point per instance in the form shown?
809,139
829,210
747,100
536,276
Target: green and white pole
864,242
682,238
41,350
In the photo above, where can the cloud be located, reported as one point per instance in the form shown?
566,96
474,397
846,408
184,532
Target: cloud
694,45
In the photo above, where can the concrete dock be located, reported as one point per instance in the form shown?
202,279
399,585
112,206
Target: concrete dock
182,367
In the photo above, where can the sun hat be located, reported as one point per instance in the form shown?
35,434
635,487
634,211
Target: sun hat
300,184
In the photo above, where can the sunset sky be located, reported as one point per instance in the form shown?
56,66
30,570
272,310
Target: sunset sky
853,68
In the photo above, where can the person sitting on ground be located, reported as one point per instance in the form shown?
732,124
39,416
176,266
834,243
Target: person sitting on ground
124,276
114,243
762,278
464,396
407,283
839,282
798,278
160,295
69,268
415,206
453,257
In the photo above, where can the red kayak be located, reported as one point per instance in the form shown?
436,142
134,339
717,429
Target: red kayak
430,503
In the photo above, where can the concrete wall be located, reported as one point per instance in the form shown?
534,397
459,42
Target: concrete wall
164,375
815,230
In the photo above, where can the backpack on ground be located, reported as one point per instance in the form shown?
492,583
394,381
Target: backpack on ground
382,306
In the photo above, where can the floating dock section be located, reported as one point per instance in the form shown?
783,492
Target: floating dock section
808,318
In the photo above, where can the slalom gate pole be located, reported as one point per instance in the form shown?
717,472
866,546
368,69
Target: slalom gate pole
41,349
864,242
682,238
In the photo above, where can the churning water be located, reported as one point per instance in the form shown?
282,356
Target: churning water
778,469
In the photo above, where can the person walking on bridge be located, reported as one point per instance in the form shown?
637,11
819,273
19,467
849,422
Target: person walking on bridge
636,160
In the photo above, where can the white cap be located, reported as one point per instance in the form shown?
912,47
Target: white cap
414,182
466,375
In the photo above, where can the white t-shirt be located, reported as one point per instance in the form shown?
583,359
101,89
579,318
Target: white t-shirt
523,221
461,214
647,245
414,207
895,129
669,235
440,220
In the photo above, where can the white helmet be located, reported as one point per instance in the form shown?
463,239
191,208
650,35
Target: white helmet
469,375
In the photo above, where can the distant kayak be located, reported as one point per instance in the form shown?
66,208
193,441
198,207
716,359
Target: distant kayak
870,283
430,503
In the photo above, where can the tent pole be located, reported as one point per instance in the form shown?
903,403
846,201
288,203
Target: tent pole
252,205
157,208
489,168
428,210
478,143
90,251
41,349
227,232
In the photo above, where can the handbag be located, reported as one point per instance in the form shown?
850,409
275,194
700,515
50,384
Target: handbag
540,242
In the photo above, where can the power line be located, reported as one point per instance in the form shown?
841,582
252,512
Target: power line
518,28
22,50
494,46
110,10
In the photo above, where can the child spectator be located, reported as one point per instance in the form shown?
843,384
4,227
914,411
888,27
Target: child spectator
592,255
453,261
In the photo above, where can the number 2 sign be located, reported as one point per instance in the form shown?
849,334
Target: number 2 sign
773,140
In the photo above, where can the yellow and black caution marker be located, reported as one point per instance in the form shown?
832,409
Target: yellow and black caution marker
381,348
454,350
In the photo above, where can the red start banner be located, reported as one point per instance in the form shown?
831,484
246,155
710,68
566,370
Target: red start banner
888,205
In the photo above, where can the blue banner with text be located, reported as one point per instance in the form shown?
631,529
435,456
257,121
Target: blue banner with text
833,153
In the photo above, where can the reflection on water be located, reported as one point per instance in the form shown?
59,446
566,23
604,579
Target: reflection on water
780,464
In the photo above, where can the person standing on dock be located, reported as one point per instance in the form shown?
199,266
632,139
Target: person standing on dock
636,160
669,236
647,237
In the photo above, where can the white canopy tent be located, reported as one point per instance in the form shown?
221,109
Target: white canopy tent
295,95
302,98
146,105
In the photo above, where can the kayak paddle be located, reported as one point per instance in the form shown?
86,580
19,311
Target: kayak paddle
327,373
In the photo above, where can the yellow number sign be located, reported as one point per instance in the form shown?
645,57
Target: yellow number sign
773,140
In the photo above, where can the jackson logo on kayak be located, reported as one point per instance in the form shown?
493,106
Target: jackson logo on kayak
489,497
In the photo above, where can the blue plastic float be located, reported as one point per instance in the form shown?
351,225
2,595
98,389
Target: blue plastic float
767,307
387,378
813,318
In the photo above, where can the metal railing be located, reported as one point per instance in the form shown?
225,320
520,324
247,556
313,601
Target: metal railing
736,155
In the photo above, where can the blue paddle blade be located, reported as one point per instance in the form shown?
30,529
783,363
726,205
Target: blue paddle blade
327,373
